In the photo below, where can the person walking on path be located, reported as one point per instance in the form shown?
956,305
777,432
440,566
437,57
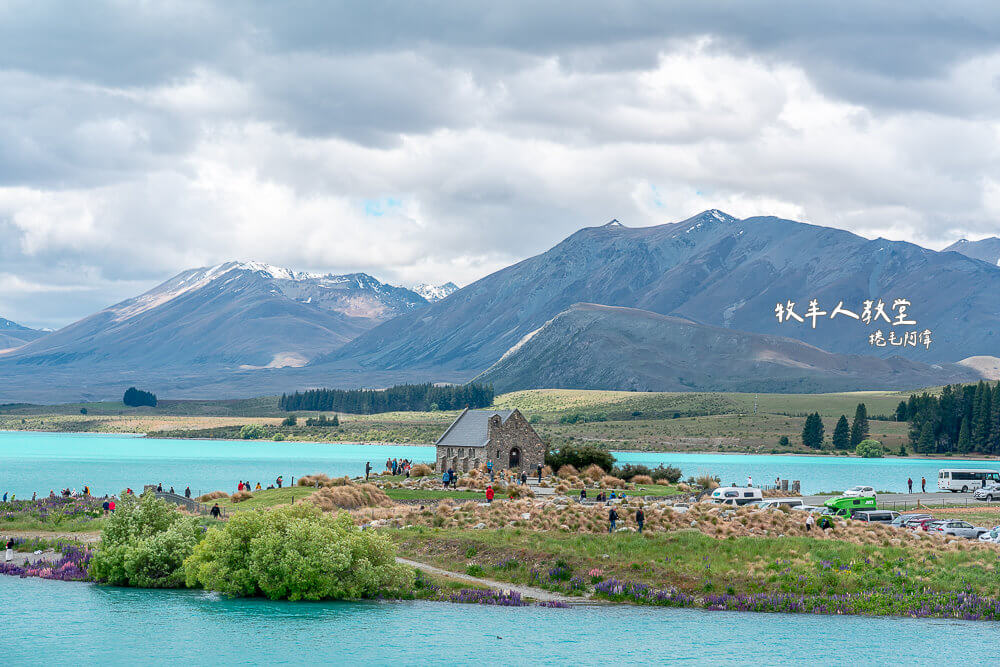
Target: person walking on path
111,505
612,520
452,478
640,518
10,550
187,492
909,484
489,493
445,479
583,495
539,469
810,522
106,506
489,469
923,485
524,478
368,469
215,511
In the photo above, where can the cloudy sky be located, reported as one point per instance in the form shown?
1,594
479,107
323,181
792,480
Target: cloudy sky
435,141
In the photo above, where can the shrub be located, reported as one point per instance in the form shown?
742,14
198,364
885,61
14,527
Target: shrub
642,479
214,495
783,441
707,482
297,553
668,474
290,420
535,419
421,470
137,398
630,470
144,544
252,432
567,471
240,496
350,497
278,437
319,479
613,482
870,449
593,472
580,456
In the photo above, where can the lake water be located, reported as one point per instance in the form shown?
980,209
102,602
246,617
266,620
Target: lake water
57,622
38,462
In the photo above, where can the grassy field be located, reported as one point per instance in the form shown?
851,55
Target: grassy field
613,419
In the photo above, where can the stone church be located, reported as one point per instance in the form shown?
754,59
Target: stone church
502,436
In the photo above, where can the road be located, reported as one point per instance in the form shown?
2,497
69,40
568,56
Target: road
901,501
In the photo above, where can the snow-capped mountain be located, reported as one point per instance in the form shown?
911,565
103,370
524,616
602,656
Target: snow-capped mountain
232,315
987,250
436,292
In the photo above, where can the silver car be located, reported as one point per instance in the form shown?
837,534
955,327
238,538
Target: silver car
987,493
959,529
992,536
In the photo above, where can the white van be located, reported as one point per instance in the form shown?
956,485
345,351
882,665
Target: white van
966,479
775,503
736,495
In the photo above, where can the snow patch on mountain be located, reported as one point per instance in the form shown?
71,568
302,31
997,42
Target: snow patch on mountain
436,292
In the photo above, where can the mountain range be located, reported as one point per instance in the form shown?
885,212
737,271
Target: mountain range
987,250
14,335
690,304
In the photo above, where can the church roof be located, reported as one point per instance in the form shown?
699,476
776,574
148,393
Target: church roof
471,428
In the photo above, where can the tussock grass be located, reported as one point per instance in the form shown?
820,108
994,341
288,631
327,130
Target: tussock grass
214,495
356,496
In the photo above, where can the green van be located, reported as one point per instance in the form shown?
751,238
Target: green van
844,506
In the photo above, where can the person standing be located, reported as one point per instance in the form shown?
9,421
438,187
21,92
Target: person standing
612,520
524,478
10,550
909,484
538,468
583,495
489,469
453,477
810,522
640,518
280,481
106,506
923,485
749,481
445,478
489,493
111,504
215,511
368,469
239,487
187,492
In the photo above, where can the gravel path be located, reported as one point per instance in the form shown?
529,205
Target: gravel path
539,594
21,558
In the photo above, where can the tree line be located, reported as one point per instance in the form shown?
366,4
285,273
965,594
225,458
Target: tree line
845,436
135,398
400,398
963,419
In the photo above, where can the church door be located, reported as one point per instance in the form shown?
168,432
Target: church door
515,458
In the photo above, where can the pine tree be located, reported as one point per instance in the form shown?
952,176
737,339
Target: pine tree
901,412
925,445
859,429
981,419
964,440
842,434
812,432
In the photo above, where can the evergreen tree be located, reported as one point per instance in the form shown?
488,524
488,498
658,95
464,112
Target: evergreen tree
981,423
964,439
812,432
925,445
901,412
859,429
842,434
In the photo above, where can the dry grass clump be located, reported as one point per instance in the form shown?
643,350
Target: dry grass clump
240,496
642,479
421,470
351,497
546,471
319,479
521,491
707,482
214,495
568,471
593,472
612,482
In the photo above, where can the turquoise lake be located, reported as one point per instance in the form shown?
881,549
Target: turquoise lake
38,462
56,622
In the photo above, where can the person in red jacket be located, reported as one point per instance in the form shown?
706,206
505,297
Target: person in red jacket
489,493
240,487
111,505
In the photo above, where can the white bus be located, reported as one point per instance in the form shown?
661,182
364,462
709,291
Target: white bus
966,479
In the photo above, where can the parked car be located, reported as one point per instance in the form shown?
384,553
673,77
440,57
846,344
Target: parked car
812,509
736,495
845,506
860,492
921,524
902,520
987,493
957,528
875,516
993,535
774,503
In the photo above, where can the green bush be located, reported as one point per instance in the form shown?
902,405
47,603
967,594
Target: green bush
580,456
290,420
870,449
144,544
252,432
278,437
783,441
630,470
297,553
668,474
